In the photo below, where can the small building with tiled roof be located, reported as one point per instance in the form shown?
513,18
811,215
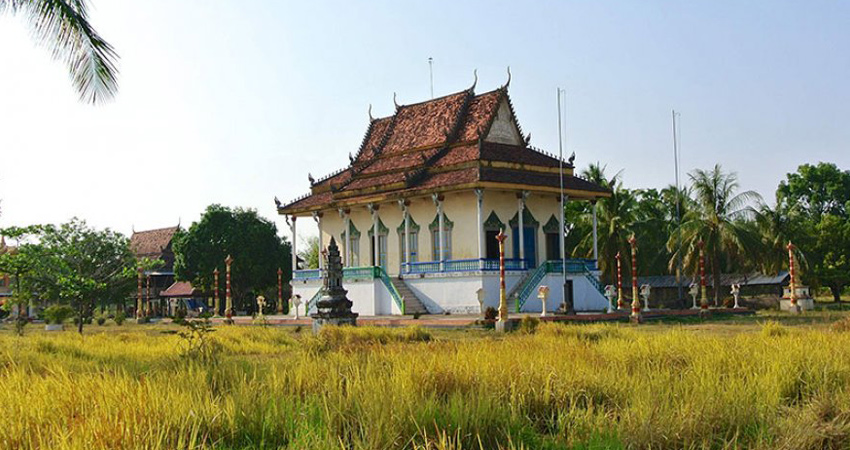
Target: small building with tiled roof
155,244
443,177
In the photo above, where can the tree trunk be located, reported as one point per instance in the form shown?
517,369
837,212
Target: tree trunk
80,315
836,292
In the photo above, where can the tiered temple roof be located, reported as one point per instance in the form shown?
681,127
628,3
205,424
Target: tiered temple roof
458,141
154,244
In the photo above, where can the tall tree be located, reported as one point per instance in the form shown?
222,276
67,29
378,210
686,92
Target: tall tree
63,26
251,240
717,221
77,265
816,190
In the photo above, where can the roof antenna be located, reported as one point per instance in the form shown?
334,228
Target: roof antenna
474,83
431,72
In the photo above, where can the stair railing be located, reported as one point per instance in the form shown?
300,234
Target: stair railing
397,298
528,285
312,301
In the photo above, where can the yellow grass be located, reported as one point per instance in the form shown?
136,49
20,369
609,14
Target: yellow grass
591,386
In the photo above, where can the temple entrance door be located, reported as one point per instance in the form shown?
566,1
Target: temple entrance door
553,247
530,237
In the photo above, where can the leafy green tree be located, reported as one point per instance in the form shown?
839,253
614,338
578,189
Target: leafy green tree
718,220
310,252
63,27
77,265
251,240
816,190
832,247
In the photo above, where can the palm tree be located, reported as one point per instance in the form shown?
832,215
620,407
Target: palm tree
616,216
64,27
776,227
717,220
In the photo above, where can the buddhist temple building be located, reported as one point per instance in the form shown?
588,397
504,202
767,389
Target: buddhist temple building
155,244
417,209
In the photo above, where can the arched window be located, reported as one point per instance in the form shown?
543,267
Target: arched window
413,240
530,226
353,242
381,242
435,237
492,226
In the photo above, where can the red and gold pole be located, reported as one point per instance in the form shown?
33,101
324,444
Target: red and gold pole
228,300
703,301
139,308
792,273
279,291
148,296
621,304
503,301
216,301
635,296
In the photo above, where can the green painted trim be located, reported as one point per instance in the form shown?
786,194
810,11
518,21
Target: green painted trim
528,220
435,224
414,227
552,225
493,223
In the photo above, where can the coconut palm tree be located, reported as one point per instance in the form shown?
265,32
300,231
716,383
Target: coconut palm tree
63,26
718,220
616,217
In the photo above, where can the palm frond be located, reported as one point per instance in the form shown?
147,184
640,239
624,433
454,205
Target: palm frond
64,27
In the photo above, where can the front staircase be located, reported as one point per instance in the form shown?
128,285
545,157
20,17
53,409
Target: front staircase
412,304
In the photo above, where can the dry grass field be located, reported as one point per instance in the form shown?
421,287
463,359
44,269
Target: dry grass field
756,382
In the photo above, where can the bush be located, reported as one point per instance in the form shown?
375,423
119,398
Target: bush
57,314
528,324
119,318
101,320
490,313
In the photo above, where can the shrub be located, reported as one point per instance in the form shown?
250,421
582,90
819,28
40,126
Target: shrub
490,313
57,314
528,324
842,325
119,318
101,320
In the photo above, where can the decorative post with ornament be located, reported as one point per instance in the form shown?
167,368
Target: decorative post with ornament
148,296
792,295
543,295
621,303
279,291
635,316
140,312
703,295
216,301
228,299
501,325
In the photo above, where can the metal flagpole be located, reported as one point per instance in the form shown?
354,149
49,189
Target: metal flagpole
563,221
678,212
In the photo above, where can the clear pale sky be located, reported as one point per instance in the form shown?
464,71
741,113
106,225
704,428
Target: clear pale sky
235,102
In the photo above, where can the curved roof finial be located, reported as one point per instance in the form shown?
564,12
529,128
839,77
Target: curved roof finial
508,83
395,101
371,119
474,83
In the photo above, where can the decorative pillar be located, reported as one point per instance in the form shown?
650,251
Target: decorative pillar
148,295
479,193
345,215
228,300
503,301
317,216
279,291
139,306
520,209
621,304
635,293
703,301
792,284
376,253
406,211
216,301
441,237
294,251
595,242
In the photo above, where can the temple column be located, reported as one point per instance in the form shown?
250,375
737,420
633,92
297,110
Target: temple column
373,208
317,216
294,251
406,243
441,238
481,249
595,242
346,222
520,209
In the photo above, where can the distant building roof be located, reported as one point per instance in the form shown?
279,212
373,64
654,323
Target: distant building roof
180,289
753,279
152,243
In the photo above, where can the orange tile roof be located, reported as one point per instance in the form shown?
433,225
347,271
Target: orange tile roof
151,243
433,145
